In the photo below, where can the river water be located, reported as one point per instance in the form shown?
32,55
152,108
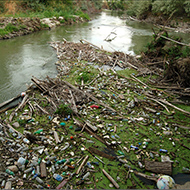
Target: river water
31,55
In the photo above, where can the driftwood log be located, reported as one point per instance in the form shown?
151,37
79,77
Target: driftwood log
82,164
111,179
159,167
100,153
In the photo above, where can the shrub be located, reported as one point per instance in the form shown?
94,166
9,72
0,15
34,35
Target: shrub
2,6
187,7
64,109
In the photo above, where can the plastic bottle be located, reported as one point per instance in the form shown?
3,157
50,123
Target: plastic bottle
145,144
61,161
57,177
140,164
89,165
120,152
151,155
28,170
39,180
163,150
3,184
127,166
86,175
46,152
52,158
185,170
136,148
38,131
39,160
53,169
21,161
24,176
35,175
38,169
9,172
25,140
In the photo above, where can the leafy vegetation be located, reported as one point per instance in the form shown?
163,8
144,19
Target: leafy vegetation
142,9
9,29
64,109
161,47
50,8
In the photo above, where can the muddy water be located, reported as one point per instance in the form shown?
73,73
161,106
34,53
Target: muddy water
24,56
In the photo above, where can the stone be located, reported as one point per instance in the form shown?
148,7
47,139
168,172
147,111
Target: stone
16,124
8,185
13,168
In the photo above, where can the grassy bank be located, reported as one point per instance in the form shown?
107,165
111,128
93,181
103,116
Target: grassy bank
68,10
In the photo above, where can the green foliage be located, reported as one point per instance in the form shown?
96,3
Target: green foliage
167,7
8,29
11,28
185,52
83,15
22,122
187,7
116,4
64,110
48,14
161,47
44,25
140,9
85,76
144,7
2,6
98,4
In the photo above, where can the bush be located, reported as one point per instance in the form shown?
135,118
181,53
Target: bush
11,28
165,7
144,7
169,7
140,9
2,6
83,15
85,76
64,110
187,7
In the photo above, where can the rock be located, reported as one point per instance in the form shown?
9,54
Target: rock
16,124
13,168
8,185
51,22
61,18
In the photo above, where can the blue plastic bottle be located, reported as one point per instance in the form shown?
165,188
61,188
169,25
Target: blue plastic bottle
57,177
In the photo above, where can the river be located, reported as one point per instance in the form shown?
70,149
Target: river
31,55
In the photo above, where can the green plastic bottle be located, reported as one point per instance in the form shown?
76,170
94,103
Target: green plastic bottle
38,131
61,161
9,172
120,152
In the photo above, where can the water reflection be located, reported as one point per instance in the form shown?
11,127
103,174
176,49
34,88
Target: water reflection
29,55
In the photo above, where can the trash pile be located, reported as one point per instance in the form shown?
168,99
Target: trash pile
93,128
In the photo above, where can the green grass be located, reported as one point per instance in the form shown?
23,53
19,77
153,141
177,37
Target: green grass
130,133
50,12
8,29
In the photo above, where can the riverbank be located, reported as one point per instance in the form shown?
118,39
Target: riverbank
175,25
94,128
12,27
21,18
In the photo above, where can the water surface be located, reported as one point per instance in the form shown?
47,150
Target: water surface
31,55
